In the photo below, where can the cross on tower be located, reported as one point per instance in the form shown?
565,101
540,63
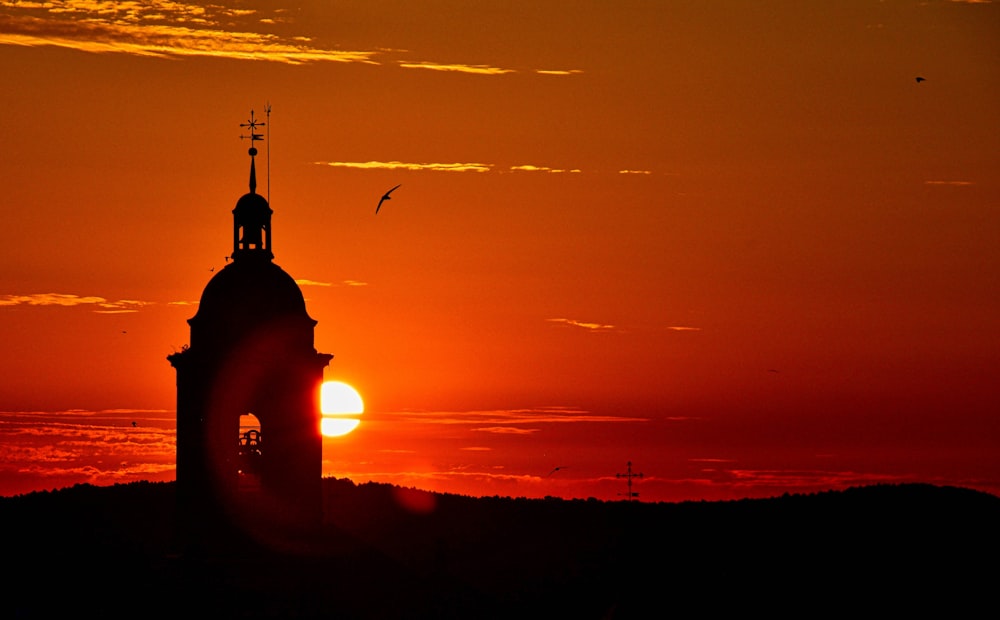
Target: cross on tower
628,476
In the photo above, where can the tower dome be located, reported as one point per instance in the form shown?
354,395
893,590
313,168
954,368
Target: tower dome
251,295
247,296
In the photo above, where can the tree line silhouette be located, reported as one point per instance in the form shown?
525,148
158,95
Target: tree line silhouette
391,552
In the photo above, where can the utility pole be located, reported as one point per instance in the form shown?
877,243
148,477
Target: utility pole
628,477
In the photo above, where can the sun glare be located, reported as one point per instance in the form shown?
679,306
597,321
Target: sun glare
337,427
338,401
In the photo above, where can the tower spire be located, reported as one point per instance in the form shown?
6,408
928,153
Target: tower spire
252,125
252,215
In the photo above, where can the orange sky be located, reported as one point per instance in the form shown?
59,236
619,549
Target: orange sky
735,243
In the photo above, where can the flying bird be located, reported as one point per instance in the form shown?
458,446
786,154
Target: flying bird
554,471
920,79
385,197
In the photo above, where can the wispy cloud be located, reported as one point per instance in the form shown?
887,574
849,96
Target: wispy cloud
533,168
70,414
49,299
122,306
312,283
100,304
506,430
98,447
471,433
789,479
595,327
490,420
171,29
354,283
683,328
434,478
558,71
398,165
457,68
160,28
466,167
956,183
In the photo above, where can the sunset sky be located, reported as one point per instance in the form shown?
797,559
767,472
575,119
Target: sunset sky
735,243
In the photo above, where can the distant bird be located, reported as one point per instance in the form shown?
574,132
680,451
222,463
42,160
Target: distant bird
385,197
554,471
133,424
212,269
920,79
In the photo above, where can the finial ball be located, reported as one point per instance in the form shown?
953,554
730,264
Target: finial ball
252,151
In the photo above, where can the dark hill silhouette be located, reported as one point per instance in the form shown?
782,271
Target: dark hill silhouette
110,552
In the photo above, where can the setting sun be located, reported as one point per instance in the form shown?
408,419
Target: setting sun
337,399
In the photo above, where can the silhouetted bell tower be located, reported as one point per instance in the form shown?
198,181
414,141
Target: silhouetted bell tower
251,355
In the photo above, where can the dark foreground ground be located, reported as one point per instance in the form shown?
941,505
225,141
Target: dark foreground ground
385,552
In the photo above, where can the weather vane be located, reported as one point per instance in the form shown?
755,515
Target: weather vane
253,124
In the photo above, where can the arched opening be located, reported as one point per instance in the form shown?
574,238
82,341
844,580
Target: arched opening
250,453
